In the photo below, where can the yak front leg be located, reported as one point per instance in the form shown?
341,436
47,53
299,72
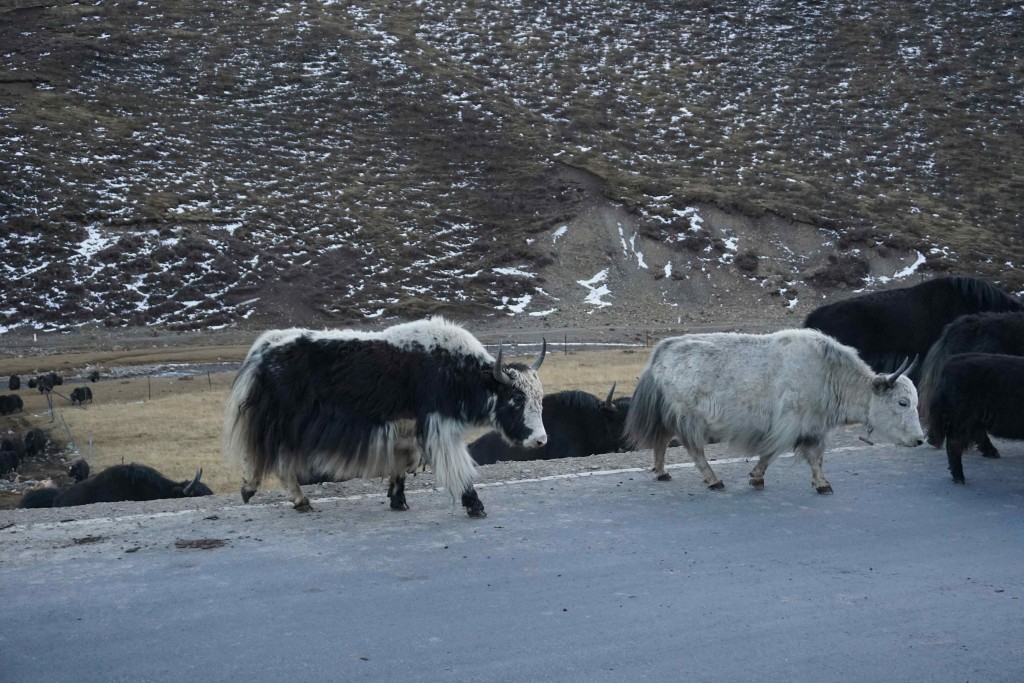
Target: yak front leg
659,458
812,449
710,478
472,503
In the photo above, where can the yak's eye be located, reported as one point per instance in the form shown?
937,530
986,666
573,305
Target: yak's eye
904,403
518,400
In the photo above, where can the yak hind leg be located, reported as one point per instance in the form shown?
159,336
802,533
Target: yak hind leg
250,482
812,449
985,445
757,474
295,494
396,492
471,501
661,474
710,478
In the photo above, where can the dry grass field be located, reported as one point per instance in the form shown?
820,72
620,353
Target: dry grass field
175,423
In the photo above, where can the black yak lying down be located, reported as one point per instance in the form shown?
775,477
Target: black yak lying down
119,483
977,393
577,424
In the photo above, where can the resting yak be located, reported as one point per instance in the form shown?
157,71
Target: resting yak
11,403
327,402
889,326
115,484
577,424
977,393
765,394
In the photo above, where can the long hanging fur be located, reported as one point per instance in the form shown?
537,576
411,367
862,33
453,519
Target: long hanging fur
327,402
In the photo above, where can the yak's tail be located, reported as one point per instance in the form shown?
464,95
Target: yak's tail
40,498
237,446
646,423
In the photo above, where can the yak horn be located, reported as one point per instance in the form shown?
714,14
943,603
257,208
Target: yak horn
540,358
195,480
902,369
499,373
608,401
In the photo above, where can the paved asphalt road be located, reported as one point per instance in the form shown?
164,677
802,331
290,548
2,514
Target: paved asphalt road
899,576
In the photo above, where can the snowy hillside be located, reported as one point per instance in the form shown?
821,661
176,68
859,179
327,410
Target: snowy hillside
197,165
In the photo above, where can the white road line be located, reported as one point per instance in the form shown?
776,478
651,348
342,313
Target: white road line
367,496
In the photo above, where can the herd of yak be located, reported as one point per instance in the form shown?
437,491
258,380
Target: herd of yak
334,405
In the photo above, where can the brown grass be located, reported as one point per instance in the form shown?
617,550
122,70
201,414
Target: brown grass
175,424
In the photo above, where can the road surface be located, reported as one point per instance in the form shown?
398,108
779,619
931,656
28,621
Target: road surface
609,576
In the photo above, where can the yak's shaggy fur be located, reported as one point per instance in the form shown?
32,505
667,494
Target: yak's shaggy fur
328,403
764,394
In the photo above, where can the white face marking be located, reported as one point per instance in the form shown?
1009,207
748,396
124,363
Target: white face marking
528,404
530,385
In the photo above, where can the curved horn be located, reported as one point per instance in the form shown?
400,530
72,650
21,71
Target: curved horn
498,371
195,480
608,401
905,367
540,358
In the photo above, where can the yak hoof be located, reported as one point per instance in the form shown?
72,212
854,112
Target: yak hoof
304,506
399,505
246,495
474,506
717,486
664,477
757,484
991,454
827,488
959,481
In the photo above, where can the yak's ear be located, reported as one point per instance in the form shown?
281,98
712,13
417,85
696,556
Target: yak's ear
881,384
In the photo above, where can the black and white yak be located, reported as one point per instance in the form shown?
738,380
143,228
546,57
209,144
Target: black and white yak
115,484
977,394
327,402
888,326
765,394
982,333
577,424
